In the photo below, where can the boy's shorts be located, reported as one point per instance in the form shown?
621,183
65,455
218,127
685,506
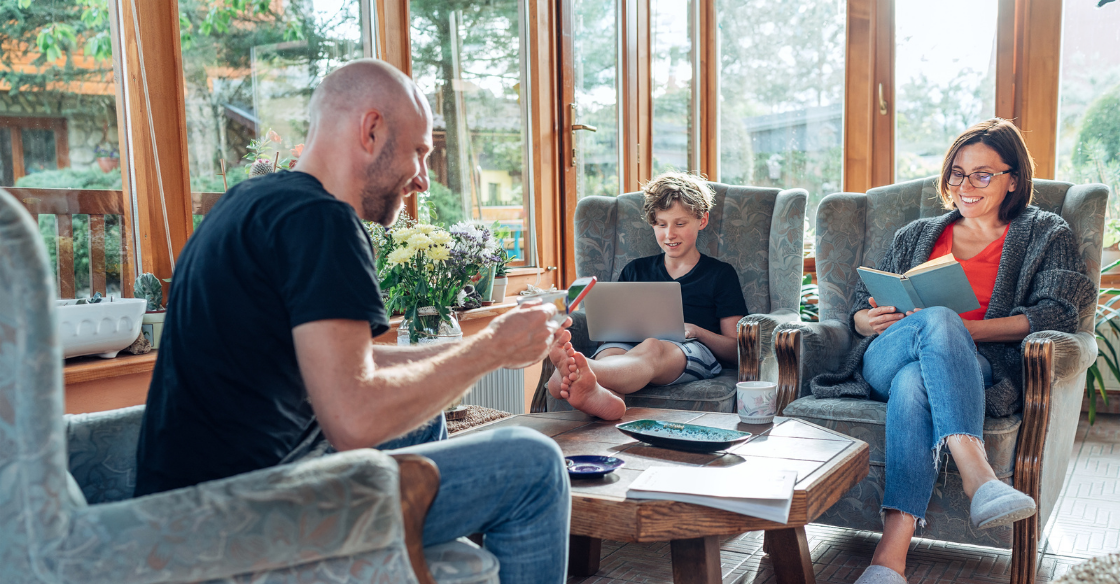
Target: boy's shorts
699,363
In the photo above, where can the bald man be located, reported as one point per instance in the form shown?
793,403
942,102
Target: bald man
266,356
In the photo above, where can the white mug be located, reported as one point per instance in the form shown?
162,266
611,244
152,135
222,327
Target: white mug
757,401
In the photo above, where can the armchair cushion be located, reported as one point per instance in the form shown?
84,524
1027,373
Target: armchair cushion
461,562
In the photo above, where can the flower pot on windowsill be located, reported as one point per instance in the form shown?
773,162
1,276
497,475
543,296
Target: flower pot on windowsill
498,293
108,163
152,327
436,330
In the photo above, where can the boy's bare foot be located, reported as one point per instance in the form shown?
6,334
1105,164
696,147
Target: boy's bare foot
582,390
557,354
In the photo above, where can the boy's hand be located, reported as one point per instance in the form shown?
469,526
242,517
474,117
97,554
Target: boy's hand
692,331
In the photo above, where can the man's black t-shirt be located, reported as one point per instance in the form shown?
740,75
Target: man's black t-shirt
226,394
710,291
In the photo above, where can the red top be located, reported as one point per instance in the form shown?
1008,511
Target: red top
980,269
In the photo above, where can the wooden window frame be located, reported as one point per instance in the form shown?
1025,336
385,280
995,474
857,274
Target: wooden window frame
1028,57
18,123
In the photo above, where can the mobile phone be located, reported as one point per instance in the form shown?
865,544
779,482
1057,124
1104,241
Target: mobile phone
578,291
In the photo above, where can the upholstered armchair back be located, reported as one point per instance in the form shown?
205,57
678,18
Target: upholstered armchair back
757,230
36,494
855,229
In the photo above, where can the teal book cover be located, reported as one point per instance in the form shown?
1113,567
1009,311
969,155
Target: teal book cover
938,282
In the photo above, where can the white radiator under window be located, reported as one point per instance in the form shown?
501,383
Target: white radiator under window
503,389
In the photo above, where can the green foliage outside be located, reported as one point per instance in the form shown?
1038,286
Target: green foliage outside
442,206
1096,153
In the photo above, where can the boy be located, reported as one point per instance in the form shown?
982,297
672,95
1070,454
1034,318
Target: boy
676,205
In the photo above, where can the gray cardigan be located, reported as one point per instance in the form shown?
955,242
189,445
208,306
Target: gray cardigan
1041,275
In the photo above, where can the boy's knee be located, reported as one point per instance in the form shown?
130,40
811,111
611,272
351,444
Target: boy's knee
655,349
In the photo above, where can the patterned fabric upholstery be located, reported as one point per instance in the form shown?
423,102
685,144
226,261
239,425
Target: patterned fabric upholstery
461,562
336,519
759,231
856,230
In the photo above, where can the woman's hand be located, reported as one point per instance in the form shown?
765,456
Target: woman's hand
875,320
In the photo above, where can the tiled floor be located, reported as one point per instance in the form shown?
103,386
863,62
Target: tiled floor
1086,524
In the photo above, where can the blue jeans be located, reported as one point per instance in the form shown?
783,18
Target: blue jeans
926,368
508,484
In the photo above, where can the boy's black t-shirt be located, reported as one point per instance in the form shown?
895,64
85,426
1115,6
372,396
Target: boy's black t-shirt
710,291
227,396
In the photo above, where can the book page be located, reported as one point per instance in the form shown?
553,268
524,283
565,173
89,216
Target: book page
933,264
738,482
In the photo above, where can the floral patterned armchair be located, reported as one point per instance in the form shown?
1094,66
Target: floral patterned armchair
1028,450
759,231
66,483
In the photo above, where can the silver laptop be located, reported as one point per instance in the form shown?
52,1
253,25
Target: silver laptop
631,312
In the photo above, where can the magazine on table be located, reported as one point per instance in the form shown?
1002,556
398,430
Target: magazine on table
743,488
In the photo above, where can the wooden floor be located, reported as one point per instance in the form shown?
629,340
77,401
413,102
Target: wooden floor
1086,524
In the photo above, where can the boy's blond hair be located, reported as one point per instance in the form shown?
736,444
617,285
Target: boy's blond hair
667,188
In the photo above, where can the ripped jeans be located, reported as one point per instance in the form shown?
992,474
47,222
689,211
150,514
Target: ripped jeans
926,368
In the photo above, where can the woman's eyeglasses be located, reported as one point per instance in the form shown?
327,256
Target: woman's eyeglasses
978,179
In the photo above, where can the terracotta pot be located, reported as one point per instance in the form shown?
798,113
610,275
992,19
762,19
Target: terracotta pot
108,163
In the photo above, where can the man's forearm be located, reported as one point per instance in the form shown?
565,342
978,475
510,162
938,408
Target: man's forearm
389,355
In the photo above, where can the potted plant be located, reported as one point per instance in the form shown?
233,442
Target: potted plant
149,288
423,269
501,275
108,158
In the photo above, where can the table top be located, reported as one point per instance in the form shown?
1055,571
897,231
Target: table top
828,464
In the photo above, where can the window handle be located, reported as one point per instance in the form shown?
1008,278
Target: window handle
584,127
882,102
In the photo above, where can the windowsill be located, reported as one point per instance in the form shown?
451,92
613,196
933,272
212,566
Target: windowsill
93,368
471,321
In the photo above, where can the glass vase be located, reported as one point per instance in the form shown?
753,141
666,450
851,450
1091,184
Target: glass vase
433,330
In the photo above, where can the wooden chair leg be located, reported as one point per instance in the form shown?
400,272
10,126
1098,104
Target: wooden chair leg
539,404
419,483
1024,551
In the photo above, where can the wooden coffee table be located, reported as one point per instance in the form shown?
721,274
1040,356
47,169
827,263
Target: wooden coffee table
827,465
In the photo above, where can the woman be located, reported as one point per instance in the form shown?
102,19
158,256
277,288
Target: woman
939,372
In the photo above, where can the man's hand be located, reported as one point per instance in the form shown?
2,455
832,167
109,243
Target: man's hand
524,335
879,318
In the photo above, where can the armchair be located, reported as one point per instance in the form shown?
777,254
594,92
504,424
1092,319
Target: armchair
1028,450
757,230
66,503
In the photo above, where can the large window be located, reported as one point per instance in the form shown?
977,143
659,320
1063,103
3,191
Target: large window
58,130
945,61
674,137
467,60
1089,112
595,48
249,74
781,94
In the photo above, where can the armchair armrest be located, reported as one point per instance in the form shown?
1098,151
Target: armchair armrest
335,506
756,344
1054,366
804,350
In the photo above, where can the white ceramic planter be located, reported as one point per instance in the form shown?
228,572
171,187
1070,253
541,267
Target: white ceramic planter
101,329
499,293
153,327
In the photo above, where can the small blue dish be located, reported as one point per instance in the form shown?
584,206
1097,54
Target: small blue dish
591,467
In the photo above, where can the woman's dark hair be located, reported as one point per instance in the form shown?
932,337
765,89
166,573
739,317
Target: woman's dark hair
1003,137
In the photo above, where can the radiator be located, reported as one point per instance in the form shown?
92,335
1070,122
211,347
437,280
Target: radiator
503,389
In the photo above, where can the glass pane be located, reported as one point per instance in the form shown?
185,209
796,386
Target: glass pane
595,48
945,68
250,72
1089,111
466,58
781,113
58,128
38,151
671,84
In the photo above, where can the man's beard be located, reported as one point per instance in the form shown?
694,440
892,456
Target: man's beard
381,194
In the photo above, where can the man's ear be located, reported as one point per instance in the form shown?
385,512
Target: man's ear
704,220
372,131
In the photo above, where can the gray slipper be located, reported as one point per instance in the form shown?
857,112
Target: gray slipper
996,504
880,575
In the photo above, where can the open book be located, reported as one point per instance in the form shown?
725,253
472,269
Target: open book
938,282
740,489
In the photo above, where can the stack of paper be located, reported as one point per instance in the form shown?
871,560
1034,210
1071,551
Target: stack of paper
741,489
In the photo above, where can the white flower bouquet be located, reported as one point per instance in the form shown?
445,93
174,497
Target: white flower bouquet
422,265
